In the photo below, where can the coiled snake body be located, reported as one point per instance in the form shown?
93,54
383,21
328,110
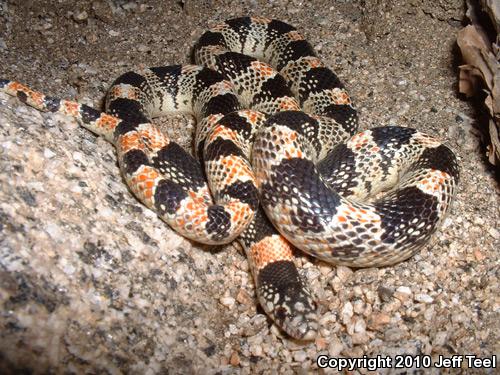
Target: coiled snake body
275,126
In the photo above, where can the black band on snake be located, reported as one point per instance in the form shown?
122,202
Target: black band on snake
276,134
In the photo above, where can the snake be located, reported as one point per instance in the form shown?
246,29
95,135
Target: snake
278,161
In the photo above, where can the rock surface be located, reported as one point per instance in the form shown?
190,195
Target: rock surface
92,281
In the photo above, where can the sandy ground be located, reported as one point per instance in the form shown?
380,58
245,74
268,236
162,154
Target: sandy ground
91,281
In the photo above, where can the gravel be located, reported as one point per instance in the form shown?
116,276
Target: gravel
91,281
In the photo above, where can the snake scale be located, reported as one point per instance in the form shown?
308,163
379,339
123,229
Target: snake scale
283,164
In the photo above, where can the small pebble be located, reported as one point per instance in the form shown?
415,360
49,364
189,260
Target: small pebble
335,347
440,338
227,301
343,272
300,356
347,312
422,297
377,321
404,290
80,16
234,360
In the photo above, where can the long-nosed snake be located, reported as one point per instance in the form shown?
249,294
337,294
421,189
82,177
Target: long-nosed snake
278,132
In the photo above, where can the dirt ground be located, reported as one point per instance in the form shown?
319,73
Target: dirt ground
91,281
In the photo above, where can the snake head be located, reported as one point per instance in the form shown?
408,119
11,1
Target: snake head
284,297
